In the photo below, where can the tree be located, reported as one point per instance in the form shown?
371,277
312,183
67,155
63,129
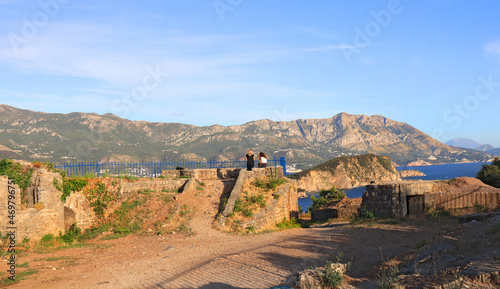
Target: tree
326,196
490,174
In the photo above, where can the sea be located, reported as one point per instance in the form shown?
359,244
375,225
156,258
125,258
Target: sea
433,172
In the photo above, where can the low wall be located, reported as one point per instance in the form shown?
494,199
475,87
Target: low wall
221,173
128,189
409,197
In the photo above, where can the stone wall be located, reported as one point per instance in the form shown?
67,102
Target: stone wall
44,213
412,197
128,189
77,209
283,205
220,173
278,209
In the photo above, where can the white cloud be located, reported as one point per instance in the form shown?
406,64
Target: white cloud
330,47
493,48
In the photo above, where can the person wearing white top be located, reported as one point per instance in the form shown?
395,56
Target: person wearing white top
262,160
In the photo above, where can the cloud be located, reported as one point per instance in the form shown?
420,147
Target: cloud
330,47
493,48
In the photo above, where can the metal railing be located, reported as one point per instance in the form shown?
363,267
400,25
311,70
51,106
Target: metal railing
150,169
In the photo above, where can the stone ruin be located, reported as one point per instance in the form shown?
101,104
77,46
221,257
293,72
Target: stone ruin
413,197
404,198
45,213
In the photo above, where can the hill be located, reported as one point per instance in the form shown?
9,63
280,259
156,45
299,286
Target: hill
55,137
346,172
470,144
495,152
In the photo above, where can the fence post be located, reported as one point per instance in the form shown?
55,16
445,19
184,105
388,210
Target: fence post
283,164
275,167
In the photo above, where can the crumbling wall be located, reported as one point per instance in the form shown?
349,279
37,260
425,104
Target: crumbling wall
392,199
278,209
44,212
283,205
77,209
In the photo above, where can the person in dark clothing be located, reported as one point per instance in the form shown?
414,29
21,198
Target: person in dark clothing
250,160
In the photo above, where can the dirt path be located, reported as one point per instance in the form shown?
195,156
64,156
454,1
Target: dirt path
218,260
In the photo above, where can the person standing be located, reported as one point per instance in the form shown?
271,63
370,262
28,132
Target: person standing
262,160
250,160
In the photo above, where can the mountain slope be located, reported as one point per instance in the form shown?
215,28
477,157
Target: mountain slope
305,142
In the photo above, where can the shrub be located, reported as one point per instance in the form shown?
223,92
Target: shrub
326,196
269,184
71,235
69,185
490,174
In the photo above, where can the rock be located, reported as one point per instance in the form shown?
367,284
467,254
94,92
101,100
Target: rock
347,172
411,173
478,217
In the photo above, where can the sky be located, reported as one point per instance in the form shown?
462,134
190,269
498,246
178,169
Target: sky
432,64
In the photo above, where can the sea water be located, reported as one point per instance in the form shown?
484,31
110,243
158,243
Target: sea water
434,172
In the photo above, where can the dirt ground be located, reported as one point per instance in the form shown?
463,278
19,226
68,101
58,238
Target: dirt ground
207,258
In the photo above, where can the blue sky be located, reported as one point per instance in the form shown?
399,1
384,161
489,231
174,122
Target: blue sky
432,64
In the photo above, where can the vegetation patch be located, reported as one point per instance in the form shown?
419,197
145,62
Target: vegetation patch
289,224
69,185
20,175
326,196
269,184
490,174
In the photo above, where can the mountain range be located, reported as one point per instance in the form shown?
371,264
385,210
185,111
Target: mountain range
472,144
73,137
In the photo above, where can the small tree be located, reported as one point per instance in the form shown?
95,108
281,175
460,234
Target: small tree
326,196
490,174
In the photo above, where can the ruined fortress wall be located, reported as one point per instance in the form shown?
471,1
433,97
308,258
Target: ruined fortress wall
128,189
283,206
77,209
221,173
31,221
45,213
392,199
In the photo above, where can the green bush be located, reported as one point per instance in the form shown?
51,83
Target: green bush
326,196
71,235
490,174
69,185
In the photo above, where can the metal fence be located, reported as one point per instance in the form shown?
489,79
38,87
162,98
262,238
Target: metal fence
150,169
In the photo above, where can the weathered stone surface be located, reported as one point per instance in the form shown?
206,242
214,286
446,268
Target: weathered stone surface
391,199
324,214
411,173
484,270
